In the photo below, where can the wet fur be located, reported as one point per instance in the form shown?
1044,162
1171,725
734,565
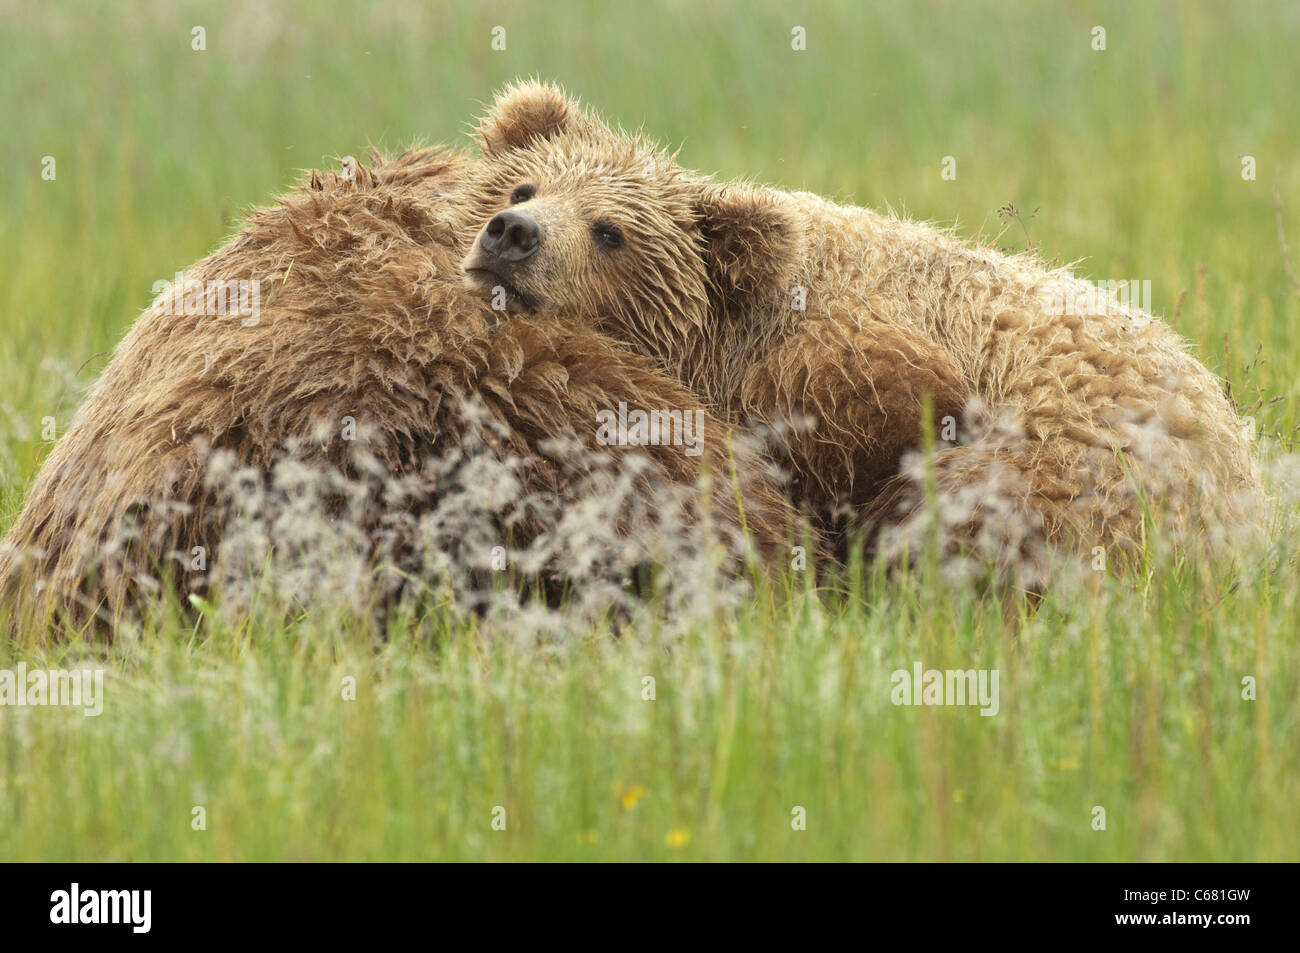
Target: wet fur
366,317
1110,417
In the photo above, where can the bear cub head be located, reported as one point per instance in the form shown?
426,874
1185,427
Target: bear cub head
605,226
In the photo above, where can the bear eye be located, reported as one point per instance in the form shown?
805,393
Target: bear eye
607,235
522,194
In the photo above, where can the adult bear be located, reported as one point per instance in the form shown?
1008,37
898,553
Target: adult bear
363,355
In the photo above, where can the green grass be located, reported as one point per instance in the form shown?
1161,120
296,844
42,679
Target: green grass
1127,701
1128,698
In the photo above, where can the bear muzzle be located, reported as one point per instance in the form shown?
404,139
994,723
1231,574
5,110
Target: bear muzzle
510,236
500,257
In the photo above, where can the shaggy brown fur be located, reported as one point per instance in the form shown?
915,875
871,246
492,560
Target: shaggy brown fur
1084,417
695,264
366,318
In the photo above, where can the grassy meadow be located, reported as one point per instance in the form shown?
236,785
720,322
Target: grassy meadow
1171,156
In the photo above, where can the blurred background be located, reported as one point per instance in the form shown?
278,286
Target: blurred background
1128,158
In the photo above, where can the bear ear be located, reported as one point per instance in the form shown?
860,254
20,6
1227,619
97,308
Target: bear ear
524,112
753,240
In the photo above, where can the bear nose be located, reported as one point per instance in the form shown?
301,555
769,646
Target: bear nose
511,235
